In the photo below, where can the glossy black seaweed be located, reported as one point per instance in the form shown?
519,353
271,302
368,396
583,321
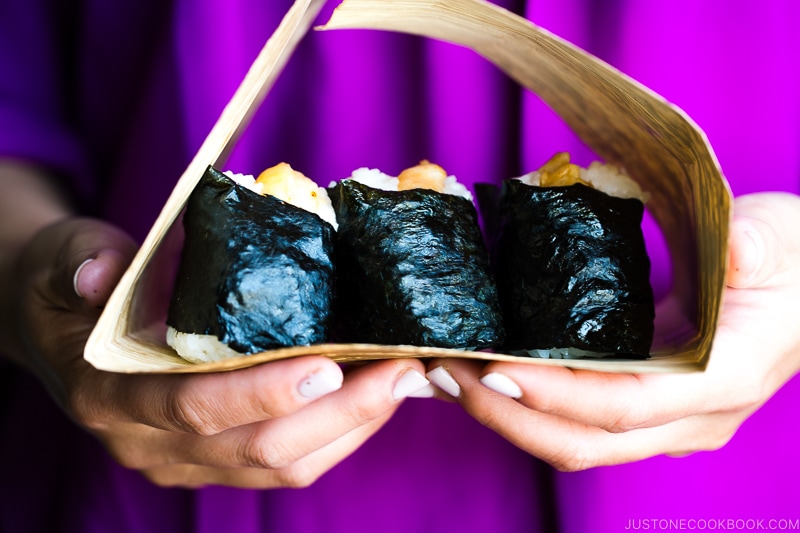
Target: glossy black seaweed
255,271
573,271
413,269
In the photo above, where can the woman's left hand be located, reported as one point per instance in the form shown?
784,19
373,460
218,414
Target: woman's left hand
578,419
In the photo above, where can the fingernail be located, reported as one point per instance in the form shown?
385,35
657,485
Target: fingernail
428,391
748,257
320,383
755,253
443,379
77,273
410,382
502,384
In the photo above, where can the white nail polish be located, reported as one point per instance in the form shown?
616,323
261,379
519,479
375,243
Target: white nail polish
502,384
320,383
442,378
77,273
410,382
428,391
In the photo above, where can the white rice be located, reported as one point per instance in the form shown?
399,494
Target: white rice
372,177
199,348
606,178
319,204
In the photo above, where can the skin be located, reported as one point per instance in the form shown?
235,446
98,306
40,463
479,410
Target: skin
247,428
575,419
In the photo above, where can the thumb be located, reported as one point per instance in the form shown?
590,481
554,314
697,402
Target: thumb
96,277
92,260
51,318
764,240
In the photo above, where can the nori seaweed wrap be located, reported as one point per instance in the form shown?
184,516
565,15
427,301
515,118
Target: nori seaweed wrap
255,271
412,268
573,272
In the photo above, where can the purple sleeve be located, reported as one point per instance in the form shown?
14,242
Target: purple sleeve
33,93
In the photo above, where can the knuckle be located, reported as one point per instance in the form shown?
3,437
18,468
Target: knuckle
261,452
268,409
297,477
573,458
486,417
749,397
363,411
718,439
174,476
128,460
88,402
86,413
130,456
159,480
634,412
631,417
721,442
544,403
187,414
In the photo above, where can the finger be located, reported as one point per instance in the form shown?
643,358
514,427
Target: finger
299,474
750,242
614,402
764,243
367,396
278,441
96,277
97,257
206,404
84,259
53,322
446,387
571,445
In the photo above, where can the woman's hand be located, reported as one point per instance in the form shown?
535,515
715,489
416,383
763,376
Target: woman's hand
274,425
576,419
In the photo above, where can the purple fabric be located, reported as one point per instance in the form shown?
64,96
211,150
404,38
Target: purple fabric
151,78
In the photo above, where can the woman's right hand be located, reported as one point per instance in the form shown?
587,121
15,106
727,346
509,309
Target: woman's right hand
281,424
